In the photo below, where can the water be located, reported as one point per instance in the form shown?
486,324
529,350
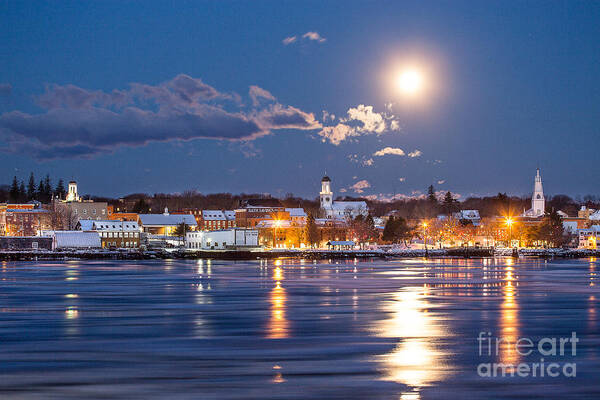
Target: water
292,329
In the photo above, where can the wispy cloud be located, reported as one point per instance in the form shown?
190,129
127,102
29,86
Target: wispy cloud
314,36
289,40
416,153
311,36
256,93
80,122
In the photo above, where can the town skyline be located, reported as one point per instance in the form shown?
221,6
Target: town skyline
85,96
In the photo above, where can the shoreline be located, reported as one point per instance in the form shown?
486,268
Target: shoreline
297,254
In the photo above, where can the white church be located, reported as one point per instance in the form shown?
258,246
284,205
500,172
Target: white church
339,209
538,202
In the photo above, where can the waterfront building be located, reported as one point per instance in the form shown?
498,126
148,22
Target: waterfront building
339,209
227,239
76,240
121,234
588,238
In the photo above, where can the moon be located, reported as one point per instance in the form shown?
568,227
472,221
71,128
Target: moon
410,81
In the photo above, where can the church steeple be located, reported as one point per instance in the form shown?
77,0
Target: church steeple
326,194
538,203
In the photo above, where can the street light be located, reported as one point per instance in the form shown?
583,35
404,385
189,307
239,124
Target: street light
425,237
509,223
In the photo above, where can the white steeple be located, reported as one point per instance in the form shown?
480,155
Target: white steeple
538,203
72,193
326,193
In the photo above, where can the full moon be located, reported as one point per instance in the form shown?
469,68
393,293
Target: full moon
410,81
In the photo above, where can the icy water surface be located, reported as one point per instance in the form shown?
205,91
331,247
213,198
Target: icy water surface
291,329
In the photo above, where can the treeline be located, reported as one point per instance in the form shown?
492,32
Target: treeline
42,191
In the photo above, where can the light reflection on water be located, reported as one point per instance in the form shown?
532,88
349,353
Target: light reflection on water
286,328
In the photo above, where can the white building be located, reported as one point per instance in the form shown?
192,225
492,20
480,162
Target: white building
588,238
538,202
165,224
74,239
339,209
228,239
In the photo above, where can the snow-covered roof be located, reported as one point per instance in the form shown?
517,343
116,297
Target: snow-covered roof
77,239
595,216
213,215
296,212
229,214
345,205
108,225
167,219
26,210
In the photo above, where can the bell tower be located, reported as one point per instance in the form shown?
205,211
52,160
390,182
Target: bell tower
326,194
72,193
538,203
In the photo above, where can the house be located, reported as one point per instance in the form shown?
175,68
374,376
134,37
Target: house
121,234
165,224
227,239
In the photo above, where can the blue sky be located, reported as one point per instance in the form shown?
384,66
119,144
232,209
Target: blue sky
155,96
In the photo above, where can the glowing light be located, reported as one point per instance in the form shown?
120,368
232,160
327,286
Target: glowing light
410,81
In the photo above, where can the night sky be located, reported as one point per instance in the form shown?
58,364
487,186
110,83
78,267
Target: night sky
265,97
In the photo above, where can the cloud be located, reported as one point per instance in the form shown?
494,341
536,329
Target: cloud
402,179
416,153
287,117
441,182
81,123
314,36
338,133
359,186
5,89
256,93
360,120
289,40
389,150
310,36
368,162
371,121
